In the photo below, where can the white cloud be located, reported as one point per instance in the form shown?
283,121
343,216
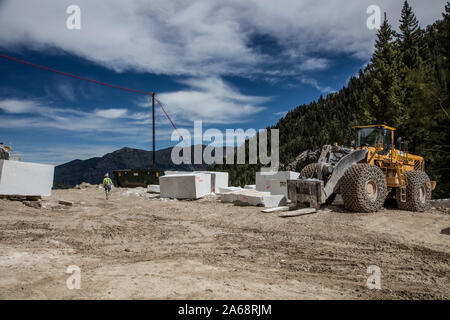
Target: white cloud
18,106
202,38
212,101
111,113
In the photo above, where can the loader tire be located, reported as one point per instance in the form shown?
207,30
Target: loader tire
363,188
309,171
418,192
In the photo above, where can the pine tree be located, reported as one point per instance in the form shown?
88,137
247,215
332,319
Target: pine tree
444,43
409,37
384,95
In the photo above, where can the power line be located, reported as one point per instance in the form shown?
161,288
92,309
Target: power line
152,94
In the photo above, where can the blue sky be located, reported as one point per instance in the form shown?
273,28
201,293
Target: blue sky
231,64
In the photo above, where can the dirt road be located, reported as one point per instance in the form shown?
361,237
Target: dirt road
141,247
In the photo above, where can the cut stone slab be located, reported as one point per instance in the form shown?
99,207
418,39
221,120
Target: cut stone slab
218,179
223,190
153,188
250,186
25,178
254,198
276,209
185,186
65,203
296,213
440,203
275,181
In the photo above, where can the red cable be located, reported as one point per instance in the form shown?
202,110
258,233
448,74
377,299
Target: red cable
173,124
73,76
97,82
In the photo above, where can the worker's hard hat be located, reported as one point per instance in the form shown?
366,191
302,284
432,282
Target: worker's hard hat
106,175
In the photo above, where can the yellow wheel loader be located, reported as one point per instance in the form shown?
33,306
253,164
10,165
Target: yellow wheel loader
365,175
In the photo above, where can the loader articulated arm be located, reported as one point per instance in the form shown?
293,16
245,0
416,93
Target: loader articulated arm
340,168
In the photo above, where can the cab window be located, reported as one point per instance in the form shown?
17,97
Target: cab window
368,137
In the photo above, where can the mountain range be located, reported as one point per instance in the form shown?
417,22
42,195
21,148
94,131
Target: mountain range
93,170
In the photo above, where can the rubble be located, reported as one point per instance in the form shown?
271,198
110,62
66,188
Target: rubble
85,185
137,192
65,203
33,204
153,188
4,152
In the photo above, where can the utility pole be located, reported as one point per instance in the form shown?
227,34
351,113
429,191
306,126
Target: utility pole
153,116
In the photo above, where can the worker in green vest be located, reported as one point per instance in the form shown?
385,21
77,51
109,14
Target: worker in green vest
107,184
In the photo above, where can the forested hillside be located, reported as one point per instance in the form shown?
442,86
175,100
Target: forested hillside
405,85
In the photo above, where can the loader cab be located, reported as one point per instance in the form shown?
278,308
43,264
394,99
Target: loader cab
375,136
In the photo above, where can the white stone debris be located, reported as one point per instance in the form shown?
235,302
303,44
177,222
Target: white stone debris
136,192
153,188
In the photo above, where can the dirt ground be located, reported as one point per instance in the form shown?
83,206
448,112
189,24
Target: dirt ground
142,247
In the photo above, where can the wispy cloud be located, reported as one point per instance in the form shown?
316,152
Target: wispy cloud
211,100
111,113
66,91
34,114
280,113
58,154
315,84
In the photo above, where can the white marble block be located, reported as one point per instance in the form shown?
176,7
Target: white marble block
218,180
185,186
274,182
25,178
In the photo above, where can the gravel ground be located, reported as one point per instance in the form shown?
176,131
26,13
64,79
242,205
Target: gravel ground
137,246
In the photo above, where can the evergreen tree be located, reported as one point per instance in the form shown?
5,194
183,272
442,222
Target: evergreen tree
409,37
444,44
384,95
